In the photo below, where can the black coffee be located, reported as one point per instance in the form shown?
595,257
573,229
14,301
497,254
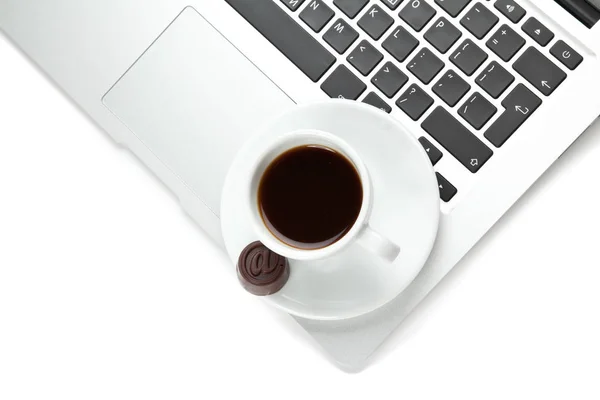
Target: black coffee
310,197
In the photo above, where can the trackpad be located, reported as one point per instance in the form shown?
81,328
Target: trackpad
193,99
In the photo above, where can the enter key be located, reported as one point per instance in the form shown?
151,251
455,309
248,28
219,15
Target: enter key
519,105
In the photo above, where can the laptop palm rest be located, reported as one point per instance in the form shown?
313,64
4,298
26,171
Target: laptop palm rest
192,98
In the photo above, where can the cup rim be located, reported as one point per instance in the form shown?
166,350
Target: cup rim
274,150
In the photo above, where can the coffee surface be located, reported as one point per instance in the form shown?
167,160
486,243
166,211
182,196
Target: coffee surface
310,197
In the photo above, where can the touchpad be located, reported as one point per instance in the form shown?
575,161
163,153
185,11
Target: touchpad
192,98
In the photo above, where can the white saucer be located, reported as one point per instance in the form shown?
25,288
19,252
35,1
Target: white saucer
405,209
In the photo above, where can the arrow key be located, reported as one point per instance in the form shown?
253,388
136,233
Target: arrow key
519,105
539,71
447,191
365,57
434,154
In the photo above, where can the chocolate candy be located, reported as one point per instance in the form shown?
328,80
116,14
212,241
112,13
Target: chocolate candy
261,271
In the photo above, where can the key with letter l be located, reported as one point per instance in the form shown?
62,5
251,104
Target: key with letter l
400,44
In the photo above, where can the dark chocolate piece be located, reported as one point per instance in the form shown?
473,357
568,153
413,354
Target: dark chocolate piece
261,271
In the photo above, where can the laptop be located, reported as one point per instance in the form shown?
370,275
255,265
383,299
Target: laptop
495,91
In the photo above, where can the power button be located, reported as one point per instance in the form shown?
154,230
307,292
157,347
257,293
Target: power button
566,55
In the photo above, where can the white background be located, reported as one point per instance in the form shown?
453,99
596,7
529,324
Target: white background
109,291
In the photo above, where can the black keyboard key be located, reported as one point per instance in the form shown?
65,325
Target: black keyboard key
414,102
538,32
519,105
375,22
539,71
453,7
293,4
468,57
417,14
340,36
505,43
365,57
454,137
477,111
343,84
566,55
434,154
447,191
389,79
400,44
349,7
494,79
286,35
451,88
442,35
377,102
479,20
392,4
425,65
316,15
511,10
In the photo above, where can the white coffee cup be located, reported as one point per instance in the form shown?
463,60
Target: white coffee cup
360,232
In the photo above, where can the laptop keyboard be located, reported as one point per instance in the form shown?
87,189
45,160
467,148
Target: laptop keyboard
443,63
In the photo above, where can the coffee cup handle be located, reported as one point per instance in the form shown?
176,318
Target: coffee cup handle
377,244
